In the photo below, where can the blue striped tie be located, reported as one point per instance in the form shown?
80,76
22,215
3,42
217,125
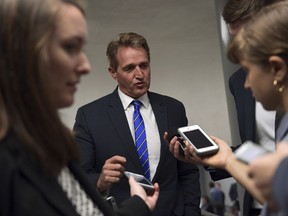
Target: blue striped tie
140,138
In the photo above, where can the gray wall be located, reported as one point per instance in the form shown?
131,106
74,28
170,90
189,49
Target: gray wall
185,55
186,58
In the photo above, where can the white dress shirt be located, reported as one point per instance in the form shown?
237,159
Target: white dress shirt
151,128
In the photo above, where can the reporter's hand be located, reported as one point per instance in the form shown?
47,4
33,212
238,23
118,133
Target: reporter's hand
112,171
137,189
219,159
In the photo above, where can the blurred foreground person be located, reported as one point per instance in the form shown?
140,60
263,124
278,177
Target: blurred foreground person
41,62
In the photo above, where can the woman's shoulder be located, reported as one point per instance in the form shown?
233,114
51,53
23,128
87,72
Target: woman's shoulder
11,154
8,151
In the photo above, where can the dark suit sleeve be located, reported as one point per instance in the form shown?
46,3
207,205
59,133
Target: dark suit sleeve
188,178
219,174
133,206
6,167
87,147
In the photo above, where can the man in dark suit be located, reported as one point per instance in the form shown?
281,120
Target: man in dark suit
105,133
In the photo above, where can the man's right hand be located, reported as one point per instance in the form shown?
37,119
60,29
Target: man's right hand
112,171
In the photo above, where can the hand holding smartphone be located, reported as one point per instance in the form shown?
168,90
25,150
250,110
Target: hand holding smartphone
173,131
201,142
142,180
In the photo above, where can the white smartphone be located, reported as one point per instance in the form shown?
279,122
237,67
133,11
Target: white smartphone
249,150
142,180
201,142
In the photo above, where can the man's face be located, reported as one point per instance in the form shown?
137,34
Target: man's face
133,72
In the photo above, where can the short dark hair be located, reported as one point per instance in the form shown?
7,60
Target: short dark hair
235,10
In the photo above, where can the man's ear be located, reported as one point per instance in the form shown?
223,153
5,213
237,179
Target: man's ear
278,67
113,73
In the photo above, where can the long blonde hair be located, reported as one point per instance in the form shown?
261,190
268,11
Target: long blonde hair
25,107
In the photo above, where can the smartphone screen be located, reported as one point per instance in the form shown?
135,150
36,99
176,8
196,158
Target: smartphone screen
198,139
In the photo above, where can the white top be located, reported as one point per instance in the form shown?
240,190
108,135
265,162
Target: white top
82,203
265,132
265,127
151,128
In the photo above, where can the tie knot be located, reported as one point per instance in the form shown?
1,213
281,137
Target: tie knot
137,104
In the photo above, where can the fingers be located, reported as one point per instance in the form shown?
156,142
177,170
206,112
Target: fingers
137,189
165,137
174,147
152,200
112,172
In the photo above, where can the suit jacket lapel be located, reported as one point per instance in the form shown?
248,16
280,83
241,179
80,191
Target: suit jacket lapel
118,118
160,113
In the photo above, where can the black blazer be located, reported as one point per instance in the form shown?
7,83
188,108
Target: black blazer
102,131
26,191
245,106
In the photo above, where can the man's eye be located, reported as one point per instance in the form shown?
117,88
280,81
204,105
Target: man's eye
129,69
144,66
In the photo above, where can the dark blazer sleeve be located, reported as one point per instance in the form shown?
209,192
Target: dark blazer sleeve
7,173
87,148
26,191
188,177
188,174
133,206
245,107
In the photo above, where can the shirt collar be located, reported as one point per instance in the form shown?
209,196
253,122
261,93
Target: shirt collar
127,100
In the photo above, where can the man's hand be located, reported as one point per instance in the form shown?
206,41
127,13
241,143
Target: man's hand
112,171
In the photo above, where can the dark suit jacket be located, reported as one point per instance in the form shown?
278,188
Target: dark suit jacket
245,106
26,191
102,131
